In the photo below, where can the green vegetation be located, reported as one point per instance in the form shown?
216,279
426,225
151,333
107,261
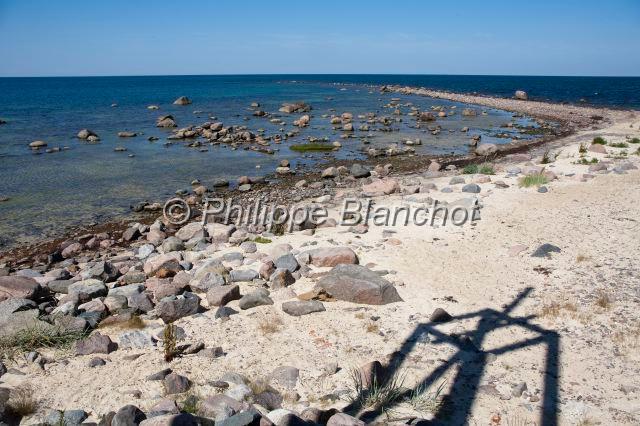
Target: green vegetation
424,401
375,395
484,169
37,337
537,179
619,145
584,161
191,403
311,147
261,240
599,141
634,140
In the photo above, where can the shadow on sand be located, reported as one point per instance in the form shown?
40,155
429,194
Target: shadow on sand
471,363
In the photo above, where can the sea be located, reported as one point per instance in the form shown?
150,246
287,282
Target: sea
47,194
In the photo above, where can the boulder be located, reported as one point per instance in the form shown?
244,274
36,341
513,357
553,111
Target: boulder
358,284
85,133
359,171
258,297
331,256
299,308
19,287
129,415
281,278
384,186
220,296
166,121
485,149
342,419
173,308
95,344
171,419
182,100
521,95
175,383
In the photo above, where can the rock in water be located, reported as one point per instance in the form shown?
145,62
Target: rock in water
358,284
522,95
182,100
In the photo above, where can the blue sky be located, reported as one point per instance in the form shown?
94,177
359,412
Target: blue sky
571,37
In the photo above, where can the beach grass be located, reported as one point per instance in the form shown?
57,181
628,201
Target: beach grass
311,147
634,140
484,169
619,145
37,337
537,179
261,240
599,140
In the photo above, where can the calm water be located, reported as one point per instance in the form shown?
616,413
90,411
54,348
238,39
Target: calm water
91,182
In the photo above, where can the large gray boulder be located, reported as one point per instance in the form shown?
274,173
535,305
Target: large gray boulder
171,309
18,287
358,284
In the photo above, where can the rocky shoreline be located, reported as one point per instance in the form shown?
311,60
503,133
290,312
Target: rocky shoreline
278,185
158,324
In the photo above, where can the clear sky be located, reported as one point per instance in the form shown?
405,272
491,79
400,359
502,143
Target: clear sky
138,37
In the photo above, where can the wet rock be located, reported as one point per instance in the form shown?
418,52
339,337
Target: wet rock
166,121
299,308
486,149
359,171
182,100
37,144
521,95
84,134
358,284
127,134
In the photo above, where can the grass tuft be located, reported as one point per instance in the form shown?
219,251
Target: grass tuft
424,401
311,147
21,402
599,141
374,395
191,403
270,325
582,149
586,162
619,145
261,240
533,180
634,140
603,299
484,169
37,337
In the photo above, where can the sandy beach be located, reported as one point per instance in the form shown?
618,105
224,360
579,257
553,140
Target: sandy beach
540,321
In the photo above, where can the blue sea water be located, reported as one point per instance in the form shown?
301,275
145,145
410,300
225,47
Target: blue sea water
91,182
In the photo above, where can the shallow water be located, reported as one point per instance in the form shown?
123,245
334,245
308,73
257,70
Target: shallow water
90,182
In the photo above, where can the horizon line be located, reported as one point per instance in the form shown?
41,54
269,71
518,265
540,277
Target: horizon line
317,74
